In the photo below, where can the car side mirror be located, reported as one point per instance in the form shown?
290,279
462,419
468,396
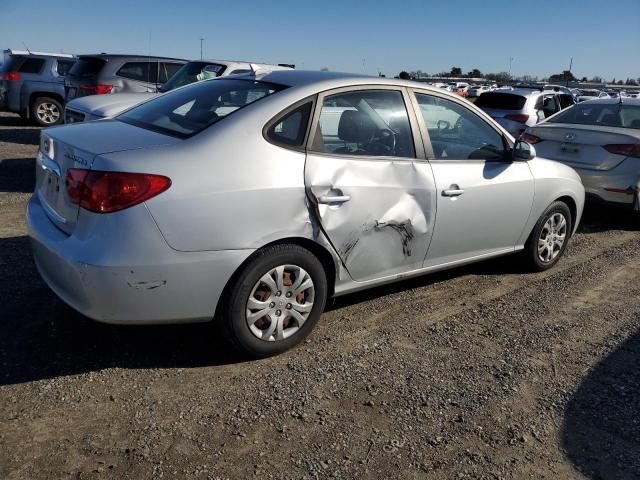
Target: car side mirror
523,151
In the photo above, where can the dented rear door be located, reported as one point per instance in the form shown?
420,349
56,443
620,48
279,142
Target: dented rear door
368,182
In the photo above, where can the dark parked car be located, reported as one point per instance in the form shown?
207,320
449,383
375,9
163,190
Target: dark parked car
107,73
32,85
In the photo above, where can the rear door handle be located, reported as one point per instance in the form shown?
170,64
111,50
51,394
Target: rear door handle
453,191
334,198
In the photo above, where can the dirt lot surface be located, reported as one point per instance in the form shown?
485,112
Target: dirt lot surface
481,372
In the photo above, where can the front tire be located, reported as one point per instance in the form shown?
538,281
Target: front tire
46,111
274,302
549,238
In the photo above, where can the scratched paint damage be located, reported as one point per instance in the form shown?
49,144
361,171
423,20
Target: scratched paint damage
149,285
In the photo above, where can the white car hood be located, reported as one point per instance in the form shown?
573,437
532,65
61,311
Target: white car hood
107,106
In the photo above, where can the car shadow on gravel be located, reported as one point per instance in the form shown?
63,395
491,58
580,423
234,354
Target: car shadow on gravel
20,131
601,430
600,218
17,175
42,338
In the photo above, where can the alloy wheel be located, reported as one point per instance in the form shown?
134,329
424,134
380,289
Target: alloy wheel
48,113
552,237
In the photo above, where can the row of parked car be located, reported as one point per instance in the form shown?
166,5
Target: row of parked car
38,85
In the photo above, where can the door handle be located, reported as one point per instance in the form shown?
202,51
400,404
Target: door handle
453,191
334,198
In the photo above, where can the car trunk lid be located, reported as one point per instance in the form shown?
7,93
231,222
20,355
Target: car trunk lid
581,146
76,147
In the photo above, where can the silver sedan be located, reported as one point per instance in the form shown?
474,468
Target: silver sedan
601,140
251,200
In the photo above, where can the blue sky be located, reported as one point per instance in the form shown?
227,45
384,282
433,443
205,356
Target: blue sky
541,36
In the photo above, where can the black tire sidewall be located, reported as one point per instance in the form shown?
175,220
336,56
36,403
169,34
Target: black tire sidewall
532,243
235,311
34,109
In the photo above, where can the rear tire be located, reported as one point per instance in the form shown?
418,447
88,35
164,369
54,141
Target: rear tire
548,240
46,111
274,302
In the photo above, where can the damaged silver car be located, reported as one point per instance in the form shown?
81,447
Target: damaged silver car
249,200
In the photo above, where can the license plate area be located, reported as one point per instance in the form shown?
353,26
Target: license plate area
569,148
52,184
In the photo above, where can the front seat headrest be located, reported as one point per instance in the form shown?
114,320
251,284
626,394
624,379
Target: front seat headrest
355,127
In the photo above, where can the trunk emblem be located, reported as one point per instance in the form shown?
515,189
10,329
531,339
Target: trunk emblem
569,136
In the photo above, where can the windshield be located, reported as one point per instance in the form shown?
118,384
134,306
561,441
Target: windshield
601,114
589,93
193,72
501,101
185,112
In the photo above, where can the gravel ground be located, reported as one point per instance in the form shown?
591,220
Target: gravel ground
480,372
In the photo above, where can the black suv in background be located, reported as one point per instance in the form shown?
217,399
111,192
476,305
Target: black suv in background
108,73
32,85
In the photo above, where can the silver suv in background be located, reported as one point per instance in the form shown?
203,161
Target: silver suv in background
32,85
95,107
517,109
105,73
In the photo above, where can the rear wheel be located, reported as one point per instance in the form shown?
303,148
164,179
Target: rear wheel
275,301
46,111
549,238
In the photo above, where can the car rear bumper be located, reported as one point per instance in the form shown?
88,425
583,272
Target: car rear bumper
619,185
161,286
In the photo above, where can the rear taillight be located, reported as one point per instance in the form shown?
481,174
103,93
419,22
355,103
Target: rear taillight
628,150
105,192
96,88
11,76
532,139
520,117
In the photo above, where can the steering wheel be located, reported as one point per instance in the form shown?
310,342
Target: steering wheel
443,125
384,141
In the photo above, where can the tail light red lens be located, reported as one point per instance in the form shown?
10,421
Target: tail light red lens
11,76
105,192
96,88
532,139
628,150
520,117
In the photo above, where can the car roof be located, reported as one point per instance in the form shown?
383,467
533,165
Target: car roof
328,80
26,53
523,92
129,56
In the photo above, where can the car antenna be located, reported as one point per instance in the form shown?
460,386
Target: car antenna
27,48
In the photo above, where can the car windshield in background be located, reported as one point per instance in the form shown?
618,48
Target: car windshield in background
87,67
501,101
590,93
185,112
609,115
193,72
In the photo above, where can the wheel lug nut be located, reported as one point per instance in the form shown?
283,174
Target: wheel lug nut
288,306
272,304
288,294
278,313
278,293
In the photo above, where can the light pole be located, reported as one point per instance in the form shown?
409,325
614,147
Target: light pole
201,40
510,61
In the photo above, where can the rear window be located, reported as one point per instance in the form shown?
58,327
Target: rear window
12,64
501,101
64,66
606,115
87,67
185,112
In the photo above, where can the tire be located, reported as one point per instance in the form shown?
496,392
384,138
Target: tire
47,112
537,260
248,295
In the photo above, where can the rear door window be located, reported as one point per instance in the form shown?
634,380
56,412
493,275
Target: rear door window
32,65
141,71
501,101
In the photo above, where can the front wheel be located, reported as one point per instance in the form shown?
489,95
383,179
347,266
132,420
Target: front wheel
549,238
46,111
275,300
